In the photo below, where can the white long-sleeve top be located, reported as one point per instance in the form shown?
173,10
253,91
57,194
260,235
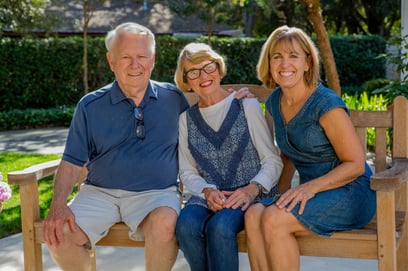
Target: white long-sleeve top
271,163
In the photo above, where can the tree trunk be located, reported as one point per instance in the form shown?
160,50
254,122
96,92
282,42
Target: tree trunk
323,42
85,62
210,23
85,44
248,18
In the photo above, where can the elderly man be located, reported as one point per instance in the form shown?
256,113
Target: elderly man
126,133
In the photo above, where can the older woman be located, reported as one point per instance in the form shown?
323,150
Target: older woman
227,161
316,136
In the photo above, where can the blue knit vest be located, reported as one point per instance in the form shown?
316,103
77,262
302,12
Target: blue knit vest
226,158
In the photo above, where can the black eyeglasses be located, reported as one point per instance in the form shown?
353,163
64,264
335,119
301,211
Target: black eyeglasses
140,129
195,73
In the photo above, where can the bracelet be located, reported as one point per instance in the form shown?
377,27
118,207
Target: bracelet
259,187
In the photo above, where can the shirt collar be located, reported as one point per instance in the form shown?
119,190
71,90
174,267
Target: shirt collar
117,95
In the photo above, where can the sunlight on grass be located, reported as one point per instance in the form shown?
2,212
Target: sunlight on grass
12,161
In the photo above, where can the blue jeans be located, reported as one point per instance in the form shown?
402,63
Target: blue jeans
209,240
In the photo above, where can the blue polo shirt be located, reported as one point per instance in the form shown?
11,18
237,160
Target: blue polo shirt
103,135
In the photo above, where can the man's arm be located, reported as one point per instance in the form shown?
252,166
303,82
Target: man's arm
59,214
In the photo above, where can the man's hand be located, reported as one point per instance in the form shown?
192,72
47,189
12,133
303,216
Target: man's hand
242,93
53,226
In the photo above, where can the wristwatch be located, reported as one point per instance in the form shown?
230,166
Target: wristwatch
259,187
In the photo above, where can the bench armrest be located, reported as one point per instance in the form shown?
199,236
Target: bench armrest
33,173
391,179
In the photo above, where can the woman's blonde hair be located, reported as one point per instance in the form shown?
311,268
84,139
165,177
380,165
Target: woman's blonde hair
196,53
289,35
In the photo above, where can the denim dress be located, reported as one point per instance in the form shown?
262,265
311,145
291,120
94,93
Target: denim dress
305,143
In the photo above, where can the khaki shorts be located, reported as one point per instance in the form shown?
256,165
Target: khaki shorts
97,209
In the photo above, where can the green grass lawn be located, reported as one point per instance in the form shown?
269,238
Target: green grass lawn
10,219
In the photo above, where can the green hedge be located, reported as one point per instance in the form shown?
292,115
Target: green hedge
47,73
18,119
357,58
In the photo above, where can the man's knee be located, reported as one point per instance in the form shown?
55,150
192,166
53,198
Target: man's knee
161,222
75,237
163,214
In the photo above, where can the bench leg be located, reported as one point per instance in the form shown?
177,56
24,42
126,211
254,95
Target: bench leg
30,212
32,256
387,253
402,256
93,259
402,253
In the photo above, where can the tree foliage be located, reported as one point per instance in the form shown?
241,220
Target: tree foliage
24,16
210,11
378,17
256,18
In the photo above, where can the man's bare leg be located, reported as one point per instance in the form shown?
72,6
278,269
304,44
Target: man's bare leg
74,253
161,247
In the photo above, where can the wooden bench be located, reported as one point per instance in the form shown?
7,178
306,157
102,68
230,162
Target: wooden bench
383,239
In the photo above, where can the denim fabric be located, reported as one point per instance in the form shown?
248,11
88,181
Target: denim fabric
207,239
303,141
349,207
269,198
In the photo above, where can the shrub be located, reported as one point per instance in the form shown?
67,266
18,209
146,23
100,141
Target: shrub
400,86
370,86
357,58
372,103
36,118
47,73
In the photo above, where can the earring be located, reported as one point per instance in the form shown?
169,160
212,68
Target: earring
307,76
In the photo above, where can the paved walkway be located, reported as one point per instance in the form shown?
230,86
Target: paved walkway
44,141
51,140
